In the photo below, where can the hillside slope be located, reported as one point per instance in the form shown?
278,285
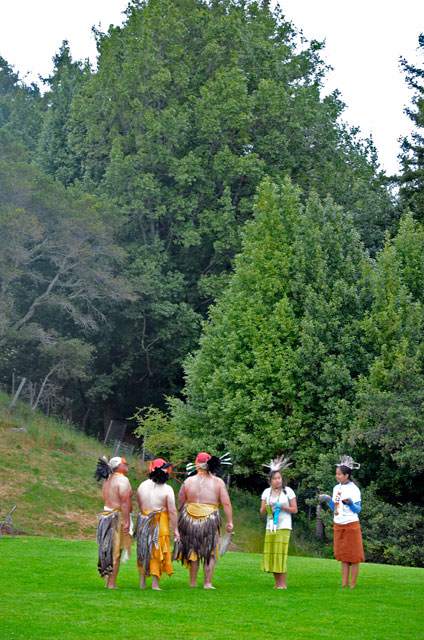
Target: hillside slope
47,472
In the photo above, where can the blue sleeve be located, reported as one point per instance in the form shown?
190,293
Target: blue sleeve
355,507
331,505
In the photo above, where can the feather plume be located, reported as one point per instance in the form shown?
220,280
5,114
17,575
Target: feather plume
348,461
214,465
103,470
225,543
278,464
107,525
147,536
159,475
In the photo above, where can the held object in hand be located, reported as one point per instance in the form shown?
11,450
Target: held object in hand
225,543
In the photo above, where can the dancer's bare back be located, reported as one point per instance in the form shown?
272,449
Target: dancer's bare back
203,488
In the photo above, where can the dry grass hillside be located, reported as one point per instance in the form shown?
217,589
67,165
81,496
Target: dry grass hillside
47,471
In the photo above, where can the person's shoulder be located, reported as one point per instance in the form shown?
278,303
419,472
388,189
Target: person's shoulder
168,489
218,481
265,492
354,488
124,481
290,492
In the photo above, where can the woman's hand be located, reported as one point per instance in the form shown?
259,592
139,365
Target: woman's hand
324,497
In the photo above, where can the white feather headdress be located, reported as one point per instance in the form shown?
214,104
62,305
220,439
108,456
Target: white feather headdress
225,459
278,464
348,461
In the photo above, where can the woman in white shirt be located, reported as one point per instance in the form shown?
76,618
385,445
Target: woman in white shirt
278,502
346,504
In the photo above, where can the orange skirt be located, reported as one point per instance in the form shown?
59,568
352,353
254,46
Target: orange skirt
348,543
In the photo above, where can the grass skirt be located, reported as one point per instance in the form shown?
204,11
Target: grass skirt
276,547
153,545
199,536
348,543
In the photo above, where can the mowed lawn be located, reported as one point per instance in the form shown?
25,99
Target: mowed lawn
50,590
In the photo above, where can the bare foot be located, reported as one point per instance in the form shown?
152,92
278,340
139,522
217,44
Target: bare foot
208,586
280,587
114,587
193,586
143,586
156,589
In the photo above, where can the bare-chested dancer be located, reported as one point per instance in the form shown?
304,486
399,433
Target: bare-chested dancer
113,533
156,501
200,521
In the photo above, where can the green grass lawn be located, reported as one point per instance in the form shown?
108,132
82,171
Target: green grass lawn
50,590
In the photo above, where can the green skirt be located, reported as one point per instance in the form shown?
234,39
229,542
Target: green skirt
276,548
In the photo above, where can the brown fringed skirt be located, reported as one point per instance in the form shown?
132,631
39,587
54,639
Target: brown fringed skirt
199,534
348,543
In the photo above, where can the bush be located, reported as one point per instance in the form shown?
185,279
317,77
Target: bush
393,534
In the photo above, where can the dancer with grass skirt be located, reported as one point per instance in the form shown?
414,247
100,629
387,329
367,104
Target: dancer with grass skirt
346,504
156,501
278,503
114,530
200,521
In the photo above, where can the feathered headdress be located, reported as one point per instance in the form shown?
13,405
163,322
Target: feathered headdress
211,464
159,470
278,464
105,467
348,461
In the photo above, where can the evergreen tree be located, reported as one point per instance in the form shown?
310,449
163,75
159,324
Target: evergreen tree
390,418
54,154
279,355
191,105
21,107
412,157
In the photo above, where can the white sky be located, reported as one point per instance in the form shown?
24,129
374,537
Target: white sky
364,39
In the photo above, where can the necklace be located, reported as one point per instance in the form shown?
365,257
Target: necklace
275,497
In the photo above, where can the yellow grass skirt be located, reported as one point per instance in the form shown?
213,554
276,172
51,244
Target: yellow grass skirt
276,547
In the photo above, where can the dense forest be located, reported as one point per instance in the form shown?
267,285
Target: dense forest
190,232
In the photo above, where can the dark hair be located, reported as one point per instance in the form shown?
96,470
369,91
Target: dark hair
159,475
346,471
271,474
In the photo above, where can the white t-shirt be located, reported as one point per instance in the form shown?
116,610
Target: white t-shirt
284,518
344,513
